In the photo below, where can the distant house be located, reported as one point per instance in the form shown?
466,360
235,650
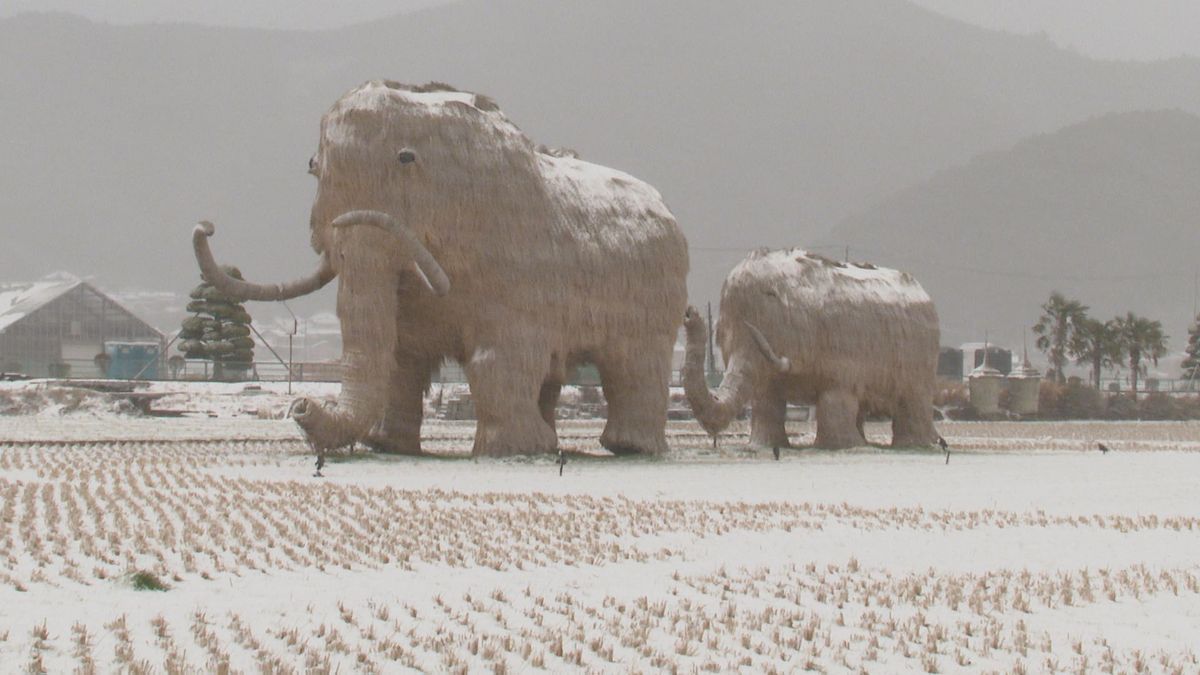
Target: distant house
57,326
956,363
950,363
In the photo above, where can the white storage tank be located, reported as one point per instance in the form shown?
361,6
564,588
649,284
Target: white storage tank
1023,384
985,384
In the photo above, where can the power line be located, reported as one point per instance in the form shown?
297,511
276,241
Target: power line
978,271
744,249
1061,277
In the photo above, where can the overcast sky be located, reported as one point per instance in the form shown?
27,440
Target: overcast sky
1116,29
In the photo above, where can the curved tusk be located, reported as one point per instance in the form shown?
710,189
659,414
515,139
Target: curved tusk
245,290
434,276
780,362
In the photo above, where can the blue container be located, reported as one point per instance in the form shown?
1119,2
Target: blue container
131,360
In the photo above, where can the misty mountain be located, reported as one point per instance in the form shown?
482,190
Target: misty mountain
1105,211
1118,29
761,126
278,14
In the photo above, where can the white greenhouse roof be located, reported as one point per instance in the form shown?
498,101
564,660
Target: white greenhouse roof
20,299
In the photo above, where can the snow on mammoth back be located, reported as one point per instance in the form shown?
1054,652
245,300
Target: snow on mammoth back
492,163
386,103
797,274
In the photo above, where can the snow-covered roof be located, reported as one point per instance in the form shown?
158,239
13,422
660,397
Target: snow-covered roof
20,299
17,300
1025,371
985,370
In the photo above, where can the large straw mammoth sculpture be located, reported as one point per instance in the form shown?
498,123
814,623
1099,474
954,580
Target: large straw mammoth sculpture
849,338
454,237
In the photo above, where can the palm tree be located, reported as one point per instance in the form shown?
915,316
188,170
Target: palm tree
1140,338
1191,362
1096,343
1056,329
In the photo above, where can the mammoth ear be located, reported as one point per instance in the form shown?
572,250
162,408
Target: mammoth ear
485,103
465,109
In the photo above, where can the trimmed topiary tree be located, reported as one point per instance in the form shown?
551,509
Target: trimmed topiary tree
218,331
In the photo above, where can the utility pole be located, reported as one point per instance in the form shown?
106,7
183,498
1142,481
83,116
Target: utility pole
711,358
847,258
292,334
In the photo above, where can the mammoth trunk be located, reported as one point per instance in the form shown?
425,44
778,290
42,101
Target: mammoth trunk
714,410
244,290
366,306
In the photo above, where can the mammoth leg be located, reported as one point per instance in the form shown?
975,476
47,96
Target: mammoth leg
636,380
548,401
912,421
370,262
506,383
837,420
400,430
768,416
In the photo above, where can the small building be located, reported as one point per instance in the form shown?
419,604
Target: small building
58,326
950,363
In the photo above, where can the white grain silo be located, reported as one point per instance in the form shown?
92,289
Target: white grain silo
1023,384
985,384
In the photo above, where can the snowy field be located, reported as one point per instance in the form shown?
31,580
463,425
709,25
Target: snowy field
1029,552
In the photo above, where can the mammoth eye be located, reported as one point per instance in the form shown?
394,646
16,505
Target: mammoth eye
312,165
406,156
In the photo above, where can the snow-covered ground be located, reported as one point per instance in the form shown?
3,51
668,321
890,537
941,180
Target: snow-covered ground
1030,551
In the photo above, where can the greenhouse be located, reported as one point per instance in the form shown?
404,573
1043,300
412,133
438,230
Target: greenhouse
59,327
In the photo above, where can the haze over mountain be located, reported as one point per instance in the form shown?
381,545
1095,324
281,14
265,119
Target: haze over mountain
271,14
1105,211
760,127
1110,29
